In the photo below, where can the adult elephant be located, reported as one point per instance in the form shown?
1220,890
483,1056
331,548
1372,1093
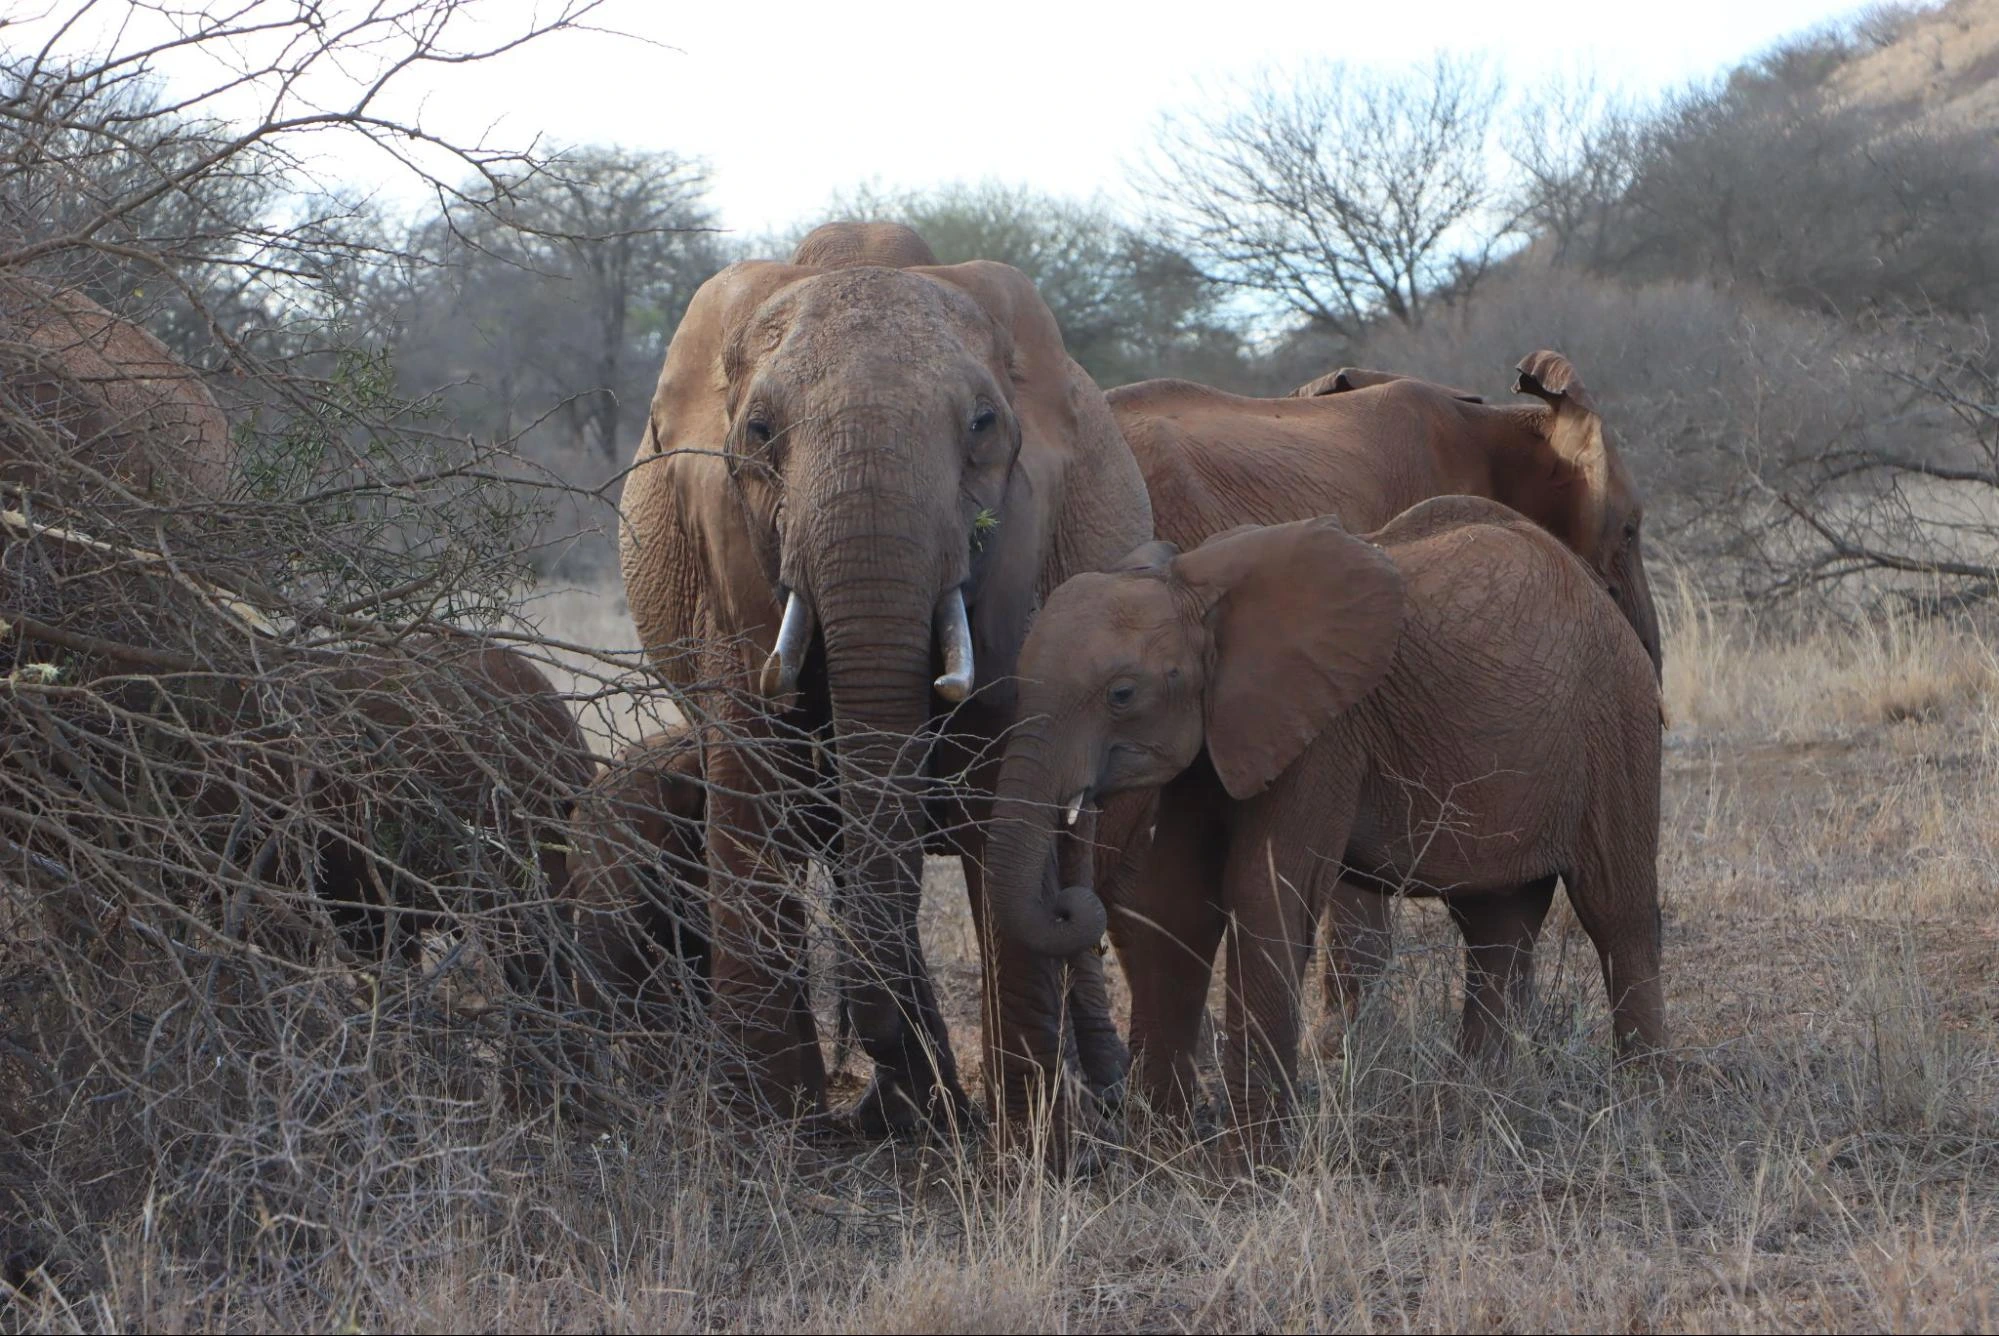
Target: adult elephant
1365,446
860,472
1449,706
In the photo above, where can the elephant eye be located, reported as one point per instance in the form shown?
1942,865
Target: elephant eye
983,419
1120,695
757,430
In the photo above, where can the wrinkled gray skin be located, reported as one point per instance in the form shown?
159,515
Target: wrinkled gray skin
1454,708
847,445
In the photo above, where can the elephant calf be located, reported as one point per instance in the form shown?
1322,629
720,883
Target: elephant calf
438,780
1453,707
638,880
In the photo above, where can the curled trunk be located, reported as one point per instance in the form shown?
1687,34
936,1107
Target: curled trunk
1031,906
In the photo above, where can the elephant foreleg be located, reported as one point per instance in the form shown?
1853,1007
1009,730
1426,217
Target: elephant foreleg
757,948
1276,868
915,1083
1163,897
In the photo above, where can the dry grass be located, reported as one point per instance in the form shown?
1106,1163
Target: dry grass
1828,1159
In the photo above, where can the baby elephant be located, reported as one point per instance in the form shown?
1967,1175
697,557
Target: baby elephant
638,876
1452,707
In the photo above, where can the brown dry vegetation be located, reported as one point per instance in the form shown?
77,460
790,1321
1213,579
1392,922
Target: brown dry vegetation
1828,1157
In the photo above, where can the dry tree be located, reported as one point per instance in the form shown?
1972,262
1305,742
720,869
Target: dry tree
284,785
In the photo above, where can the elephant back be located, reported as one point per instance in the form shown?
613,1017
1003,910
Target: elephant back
87,388
444,745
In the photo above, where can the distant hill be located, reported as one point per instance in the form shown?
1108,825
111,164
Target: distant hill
1942,65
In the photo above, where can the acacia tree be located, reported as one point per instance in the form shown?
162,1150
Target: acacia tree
1342,195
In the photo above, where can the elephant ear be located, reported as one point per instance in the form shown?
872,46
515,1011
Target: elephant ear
1574,432
1086,488
1360,378
1303,620
698,537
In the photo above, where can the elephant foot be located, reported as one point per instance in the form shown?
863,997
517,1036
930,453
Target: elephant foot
890,1110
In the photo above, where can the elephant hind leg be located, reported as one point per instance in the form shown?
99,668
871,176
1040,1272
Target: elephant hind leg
1359,942
1614,888
1500,929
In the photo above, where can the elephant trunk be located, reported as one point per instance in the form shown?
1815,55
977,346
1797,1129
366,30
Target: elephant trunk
878,616
1044,916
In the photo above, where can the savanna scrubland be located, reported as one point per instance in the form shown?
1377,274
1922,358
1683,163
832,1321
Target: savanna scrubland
1779,286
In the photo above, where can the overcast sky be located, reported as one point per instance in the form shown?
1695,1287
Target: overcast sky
789,101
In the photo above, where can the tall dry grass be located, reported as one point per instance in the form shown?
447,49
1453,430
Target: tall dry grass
1827,1158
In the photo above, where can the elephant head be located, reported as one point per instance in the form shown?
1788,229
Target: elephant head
637,870
862,476
1576,486
1247,647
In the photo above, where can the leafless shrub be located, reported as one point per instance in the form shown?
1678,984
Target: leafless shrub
1772,182
284,803
1342,196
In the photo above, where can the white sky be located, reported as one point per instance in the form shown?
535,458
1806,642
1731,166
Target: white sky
790,101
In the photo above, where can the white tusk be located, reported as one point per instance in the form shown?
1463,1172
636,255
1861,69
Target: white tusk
794,634
1075,809
954,633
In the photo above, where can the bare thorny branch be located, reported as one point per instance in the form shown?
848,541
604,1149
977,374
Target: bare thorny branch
284,789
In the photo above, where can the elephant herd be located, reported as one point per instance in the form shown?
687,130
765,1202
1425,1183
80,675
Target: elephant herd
928,589
1192,670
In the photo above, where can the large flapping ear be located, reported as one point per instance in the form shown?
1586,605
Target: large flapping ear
1006,592
1360,378
1573,430
844,245
1304,619
1085,483
679,497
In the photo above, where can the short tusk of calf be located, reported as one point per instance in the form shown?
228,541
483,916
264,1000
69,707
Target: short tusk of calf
794,635
1075,809
954,634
